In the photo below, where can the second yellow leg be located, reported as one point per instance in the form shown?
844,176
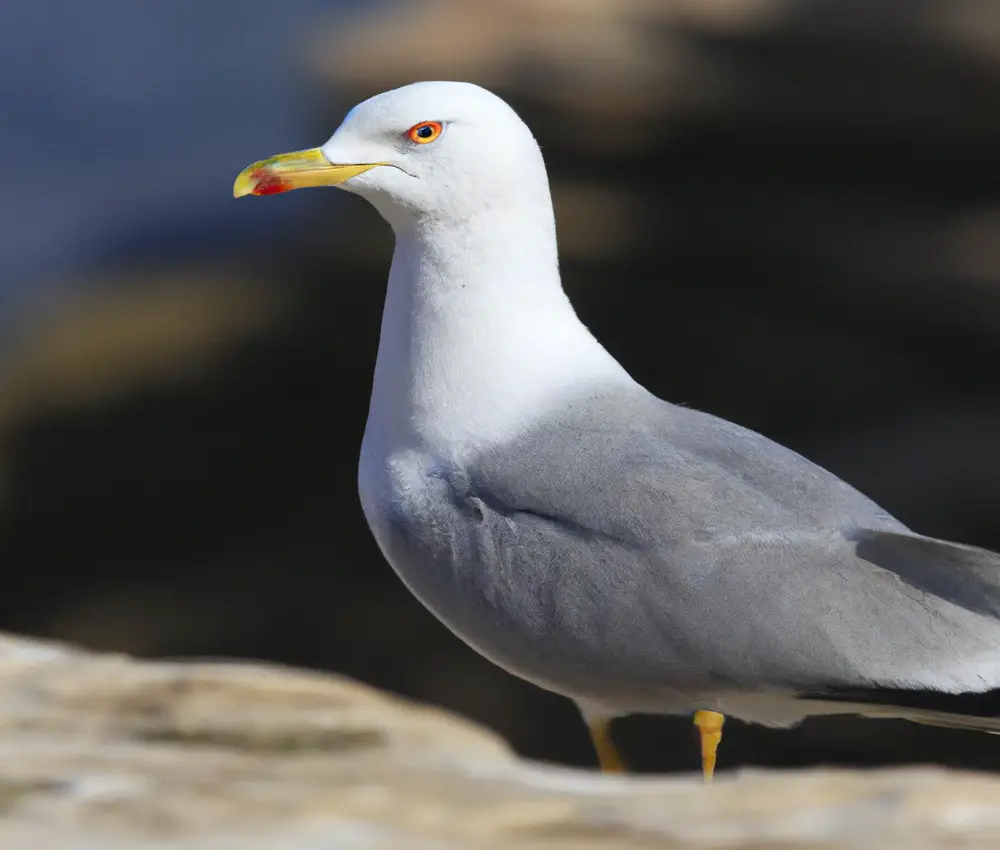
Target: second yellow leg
709,725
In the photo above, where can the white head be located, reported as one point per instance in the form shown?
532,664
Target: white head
441,151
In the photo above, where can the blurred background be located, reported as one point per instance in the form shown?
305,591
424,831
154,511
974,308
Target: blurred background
785,213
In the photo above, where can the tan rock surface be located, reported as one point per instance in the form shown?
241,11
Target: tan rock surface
102,751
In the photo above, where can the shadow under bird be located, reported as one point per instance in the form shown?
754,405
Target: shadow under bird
631,554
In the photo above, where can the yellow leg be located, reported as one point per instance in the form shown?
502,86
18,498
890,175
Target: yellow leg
607,753
709,725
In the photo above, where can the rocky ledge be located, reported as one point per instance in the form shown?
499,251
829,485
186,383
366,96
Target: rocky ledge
103,751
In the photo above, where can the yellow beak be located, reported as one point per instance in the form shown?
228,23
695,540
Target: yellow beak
297,170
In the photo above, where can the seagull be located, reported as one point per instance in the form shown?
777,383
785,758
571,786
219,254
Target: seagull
631,554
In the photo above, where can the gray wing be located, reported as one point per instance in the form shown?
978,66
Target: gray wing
964,575
652,543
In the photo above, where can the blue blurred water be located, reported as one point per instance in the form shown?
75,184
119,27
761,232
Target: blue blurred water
123,124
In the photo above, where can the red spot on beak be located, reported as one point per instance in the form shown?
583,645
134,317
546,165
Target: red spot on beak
268,183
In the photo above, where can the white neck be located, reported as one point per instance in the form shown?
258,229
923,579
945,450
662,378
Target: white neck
478,336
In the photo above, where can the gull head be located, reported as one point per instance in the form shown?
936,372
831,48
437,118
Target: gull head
439,151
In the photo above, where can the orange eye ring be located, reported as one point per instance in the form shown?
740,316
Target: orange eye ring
425,132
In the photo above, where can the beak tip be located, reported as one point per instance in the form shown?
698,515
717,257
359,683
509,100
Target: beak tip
244,185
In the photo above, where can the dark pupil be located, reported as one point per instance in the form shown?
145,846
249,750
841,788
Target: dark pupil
425,132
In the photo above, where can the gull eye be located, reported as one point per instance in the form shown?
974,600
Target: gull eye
425,132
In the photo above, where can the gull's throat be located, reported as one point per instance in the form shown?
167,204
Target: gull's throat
478,336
